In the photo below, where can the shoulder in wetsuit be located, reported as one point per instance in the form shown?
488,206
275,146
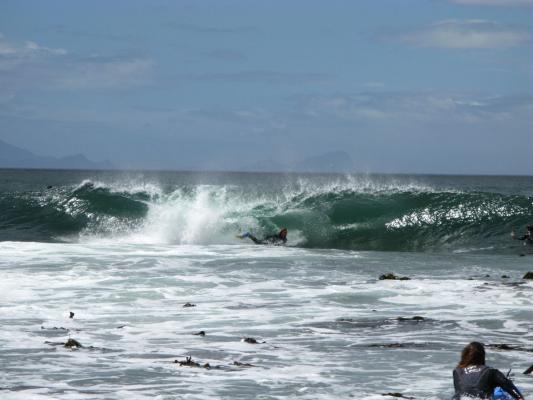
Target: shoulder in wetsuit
480,381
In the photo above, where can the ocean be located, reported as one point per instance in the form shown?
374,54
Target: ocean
147,261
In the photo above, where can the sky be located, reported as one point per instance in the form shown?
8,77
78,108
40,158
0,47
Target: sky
402,86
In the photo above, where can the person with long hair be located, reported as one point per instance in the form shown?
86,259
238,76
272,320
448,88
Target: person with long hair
473,378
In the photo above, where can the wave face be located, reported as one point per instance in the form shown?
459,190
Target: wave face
358,213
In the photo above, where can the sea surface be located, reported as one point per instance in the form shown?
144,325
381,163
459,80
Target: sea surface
146,260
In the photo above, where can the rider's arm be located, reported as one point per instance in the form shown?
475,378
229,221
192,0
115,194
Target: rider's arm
506,384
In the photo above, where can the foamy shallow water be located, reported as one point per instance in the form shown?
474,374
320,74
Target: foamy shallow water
330,327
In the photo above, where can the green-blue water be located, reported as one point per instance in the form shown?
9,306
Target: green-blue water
360,212
126,251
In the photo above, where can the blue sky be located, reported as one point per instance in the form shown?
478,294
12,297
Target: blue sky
436,86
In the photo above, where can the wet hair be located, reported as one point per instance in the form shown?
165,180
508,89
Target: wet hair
283,230
472,354
529,227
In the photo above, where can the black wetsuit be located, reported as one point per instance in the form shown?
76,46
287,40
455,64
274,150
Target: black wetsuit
276,239
528,237
480,381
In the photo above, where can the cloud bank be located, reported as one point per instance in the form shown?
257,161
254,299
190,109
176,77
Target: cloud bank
391,107
466,34
260,76
31,65
26,49
503,3
96,73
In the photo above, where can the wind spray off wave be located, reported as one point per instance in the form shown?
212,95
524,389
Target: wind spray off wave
359,213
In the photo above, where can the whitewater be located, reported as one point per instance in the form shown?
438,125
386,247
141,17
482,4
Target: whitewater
147,261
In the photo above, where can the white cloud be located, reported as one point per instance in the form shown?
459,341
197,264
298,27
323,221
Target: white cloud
495,2
26,50
468,34
260,76
34,47
417,107
106,74
30,64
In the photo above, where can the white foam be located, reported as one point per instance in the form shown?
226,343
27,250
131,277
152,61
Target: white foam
291,298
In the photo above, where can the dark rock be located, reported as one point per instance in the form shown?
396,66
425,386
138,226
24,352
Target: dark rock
507,347
251,340
240,364
487,276
187,363
501,346
515,284
54,343
201,333
416,318
387,345
397,395
528,275
529,370
363,323
55,328
73,343
190,363
189,305
49,187
397,345
71,315
393,277
505,277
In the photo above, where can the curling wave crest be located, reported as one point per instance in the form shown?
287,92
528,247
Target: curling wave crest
349,214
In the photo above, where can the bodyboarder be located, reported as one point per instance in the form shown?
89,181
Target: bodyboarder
276,239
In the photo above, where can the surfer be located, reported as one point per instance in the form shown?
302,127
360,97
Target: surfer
473,378
276,239
527,237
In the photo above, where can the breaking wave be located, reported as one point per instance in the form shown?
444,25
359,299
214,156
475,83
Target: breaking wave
361,215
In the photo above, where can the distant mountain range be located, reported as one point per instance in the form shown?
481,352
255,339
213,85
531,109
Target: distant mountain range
16,157
335,161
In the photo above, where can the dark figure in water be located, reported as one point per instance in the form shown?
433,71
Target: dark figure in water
473,378
277,239
527,237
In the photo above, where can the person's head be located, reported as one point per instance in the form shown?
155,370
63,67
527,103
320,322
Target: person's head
472,354
283,233
530,229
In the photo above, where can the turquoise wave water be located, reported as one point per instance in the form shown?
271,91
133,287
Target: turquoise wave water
345,215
